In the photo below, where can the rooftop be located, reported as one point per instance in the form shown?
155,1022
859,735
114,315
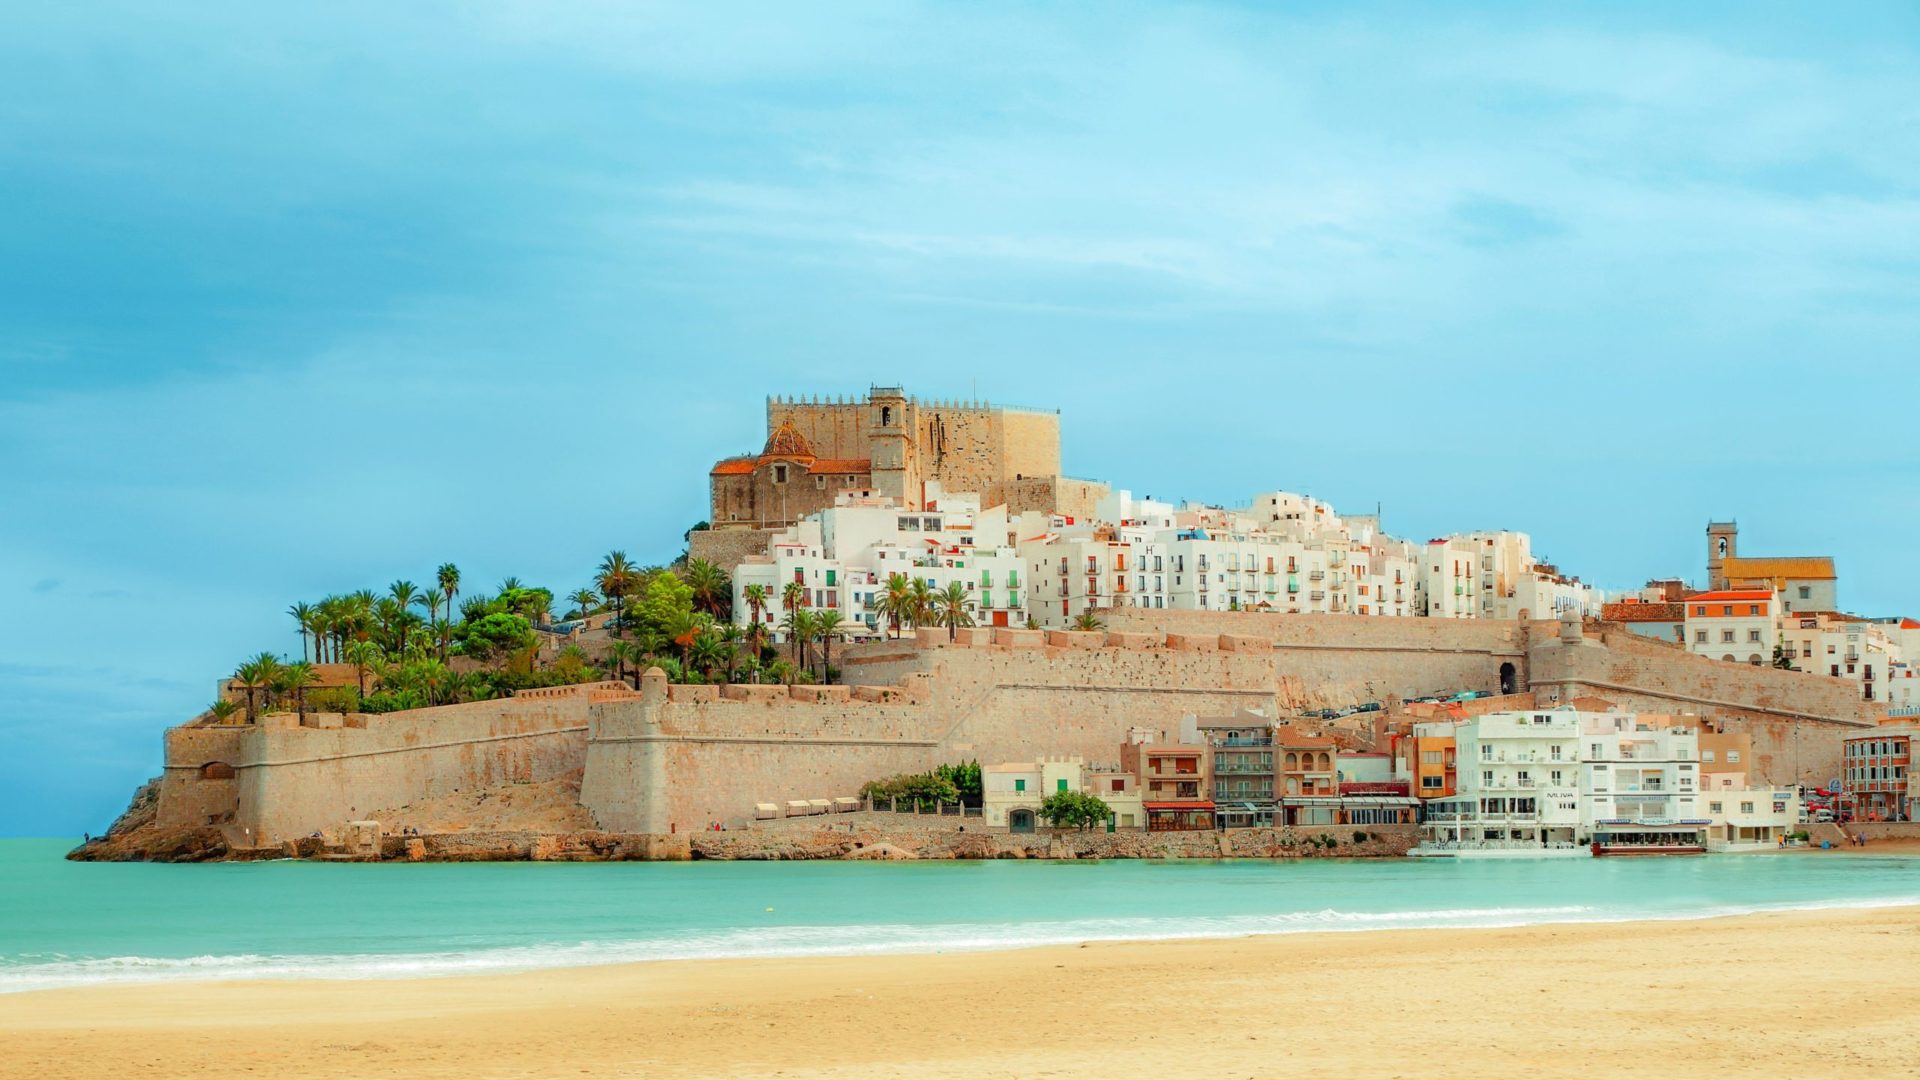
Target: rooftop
1803,567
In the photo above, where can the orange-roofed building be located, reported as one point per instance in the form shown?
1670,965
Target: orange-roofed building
1805,582
1738,625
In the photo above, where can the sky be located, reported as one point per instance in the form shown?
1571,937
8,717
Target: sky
297,301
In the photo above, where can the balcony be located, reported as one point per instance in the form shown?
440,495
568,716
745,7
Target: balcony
1317,575
1247,740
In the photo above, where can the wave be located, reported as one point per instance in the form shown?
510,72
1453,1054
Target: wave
43,972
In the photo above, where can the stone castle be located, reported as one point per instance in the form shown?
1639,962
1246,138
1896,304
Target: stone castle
892,445
666,759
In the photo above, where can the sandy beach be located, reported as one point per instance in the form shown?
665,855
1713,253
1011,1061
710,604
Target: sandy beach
1773,995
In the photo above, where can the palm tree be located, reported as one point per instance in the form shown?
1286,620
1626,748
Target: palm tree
256,674
684,630
298,677
793,596
616,579
404,593
1087,620
448,577
623,653
222,710
303,617
826,627
710,587
756,597
705,654
363,655
950,608
780,671
729,637
584,599
896,603
798,626
920,603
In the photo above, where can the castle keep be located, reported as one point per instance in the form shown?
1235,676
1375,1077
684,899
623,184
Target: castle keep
897,446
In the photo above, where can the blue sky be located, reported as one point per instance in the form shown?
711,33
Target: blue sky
295,304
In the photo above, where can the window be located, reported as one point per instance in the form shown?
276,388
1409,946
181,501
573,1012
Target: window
1806,592
1753,635
1726,635
1019,785
1746,808
1429,757
1726,609
779,474
1713,807
1431,783
1486,779
1733,757
1060,784
1700,636
1707,756
1700,609
1753,609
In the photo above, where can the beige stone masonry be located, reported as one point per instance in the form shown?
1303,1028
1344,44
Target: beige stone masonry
747,692
1075,639
1019,639
878,693
1193,642
1243,643
1133,640
821,693
692,693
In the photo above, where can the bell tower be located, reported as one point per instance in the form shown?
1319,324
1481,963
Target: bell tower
890,426
1723,542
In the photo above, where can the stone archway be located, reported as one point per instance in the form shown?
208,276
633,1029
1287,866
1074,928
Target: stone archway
1020,821
1509,679
216,770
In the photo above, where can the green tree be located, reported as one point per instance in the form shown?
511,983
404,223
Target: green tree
222,710
297,678
497,636
448,578
1068,809
363,655
662,606
583,600
826,627
303,618
712,592
616,578
798,627
256,674
1087,620
920,603
950,608
895,602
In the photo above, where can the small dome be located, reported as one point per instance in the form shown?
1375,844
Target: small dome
787,442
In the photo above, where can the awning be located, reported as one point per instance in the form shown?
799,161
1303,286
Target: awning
1178,805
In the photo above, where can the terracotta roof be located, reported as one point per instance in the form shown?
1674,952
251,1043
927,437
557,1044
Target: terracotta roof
856,466
1732,594
1641,611
1909,624
734,466
787,442
1815,567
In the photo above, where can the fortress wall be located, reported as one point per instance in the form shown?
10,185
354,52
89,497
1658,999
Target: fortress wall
1796,720
188,798
293,780
728,548
1352,659
960,447
1028,443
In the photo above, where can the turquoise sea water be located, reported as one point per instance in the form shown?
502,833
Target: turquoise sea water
65,924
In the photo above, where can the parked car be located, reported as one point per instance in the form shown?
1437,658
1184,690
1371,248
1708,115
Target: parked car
1823,817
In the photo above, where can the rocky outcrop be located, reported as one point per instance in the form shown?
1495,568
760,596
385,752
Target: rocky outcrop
136,836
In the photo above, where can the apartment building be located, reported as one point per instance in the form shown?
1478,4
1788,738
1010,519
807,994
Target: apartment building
1874,774
1519,785
1176,787
1640,774
1736,625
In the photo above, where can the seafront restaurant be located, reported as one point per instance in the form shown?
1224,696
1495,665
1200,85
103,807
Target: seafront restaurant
1650,836
1492,822
1192,816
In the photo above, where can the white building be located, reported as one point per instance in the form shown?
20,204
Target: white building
1519,785
1640,775
1736,625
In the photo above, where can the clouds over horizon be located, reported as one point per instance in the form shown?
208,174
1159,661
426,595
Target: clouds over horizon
296,305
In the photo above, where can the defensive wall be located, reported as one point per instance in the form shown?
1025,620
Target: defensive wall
1797,720
665,759
278,779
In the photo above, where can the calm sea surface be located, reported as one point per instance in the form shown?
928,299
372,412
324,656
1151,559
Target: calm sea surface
65,924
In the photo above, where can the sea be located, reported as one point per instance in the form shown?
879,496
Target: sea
76,924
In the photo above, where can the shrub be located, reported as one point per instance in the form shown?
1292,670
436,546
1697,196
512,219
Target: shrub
337,699
1360,836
